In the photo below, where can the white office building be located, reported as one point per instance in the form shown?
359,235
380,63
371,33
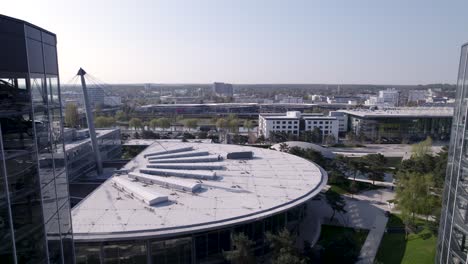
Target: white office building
294,122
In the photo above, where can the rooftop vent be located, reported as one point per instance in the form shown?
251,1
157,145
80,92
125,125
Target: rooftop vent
168,151
173,183
240,155
185,166
212,158
207,175
137,191
181,155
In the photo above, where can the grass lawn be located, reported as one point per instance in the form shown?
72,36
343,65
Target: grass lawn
334,232
420,248
345,187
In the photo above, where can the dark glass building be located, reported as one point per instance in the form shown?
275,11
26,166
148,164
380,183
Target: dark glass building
35,221
453,230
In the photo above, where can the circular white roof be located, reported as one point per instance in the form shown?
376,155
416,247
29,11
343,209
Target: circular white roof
188,187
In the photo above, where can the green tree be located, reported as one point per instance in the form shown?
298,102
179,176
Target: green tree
375,167
233,125
242,250
121,116
283,248
71,115
283,147
164,123
329,139
154,123
103,121
414,194
336,202
191,123
358,166
136,123
249,125
422,148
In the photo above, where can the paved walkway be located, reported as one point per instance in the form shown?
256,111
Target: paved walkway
364,210
372,243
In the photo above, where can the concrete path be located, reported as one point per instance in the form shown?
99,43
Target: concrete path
372,243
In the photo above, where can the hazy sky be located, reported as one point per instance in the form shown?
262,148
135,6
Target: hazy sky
254,41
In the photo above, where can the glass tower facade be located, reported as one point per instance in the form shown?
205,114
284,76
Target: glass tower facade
35,221
453,230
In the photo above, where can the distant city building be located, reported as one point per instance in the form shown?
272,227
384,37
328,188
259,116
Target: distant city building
96,95
169,99
342,121
35,224
72,97
181,202
453,228
112,100
294,122
287,99
318,98
386,98
291,100
404,124
223,89
343,100
417,96
240,109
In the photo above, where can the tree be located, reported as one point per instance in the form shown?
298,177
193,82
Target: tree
283,147
358,167
191,123
329,139
103,121
336,202
71,115
375,166
164,123
222,125
414,194
283,248
242,250
121,116
249,125
154,123
135,123
422,148
233,125
375,173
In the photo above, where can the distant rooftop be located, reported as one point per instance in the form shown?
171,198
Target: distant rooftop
76,143
291,115
403,112
174,188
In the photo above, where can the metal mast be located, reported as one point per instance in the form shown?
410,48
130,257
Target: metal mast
90,119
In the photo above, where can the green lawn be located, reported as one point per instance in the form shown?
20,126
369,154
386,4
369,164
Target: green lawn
329,232
420,248
345,187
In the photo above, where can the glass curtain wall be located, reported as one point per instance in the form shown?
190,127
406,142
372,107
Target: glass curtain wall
35,224
453,229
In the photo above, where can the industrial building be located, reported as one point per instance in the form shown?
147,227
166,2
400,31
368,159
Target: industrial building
180,202
35,221
295,122
453,229
402,124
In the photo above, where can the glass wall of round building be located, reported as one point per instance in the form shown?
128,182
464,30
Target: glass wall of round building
453,230
203,247
35,222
